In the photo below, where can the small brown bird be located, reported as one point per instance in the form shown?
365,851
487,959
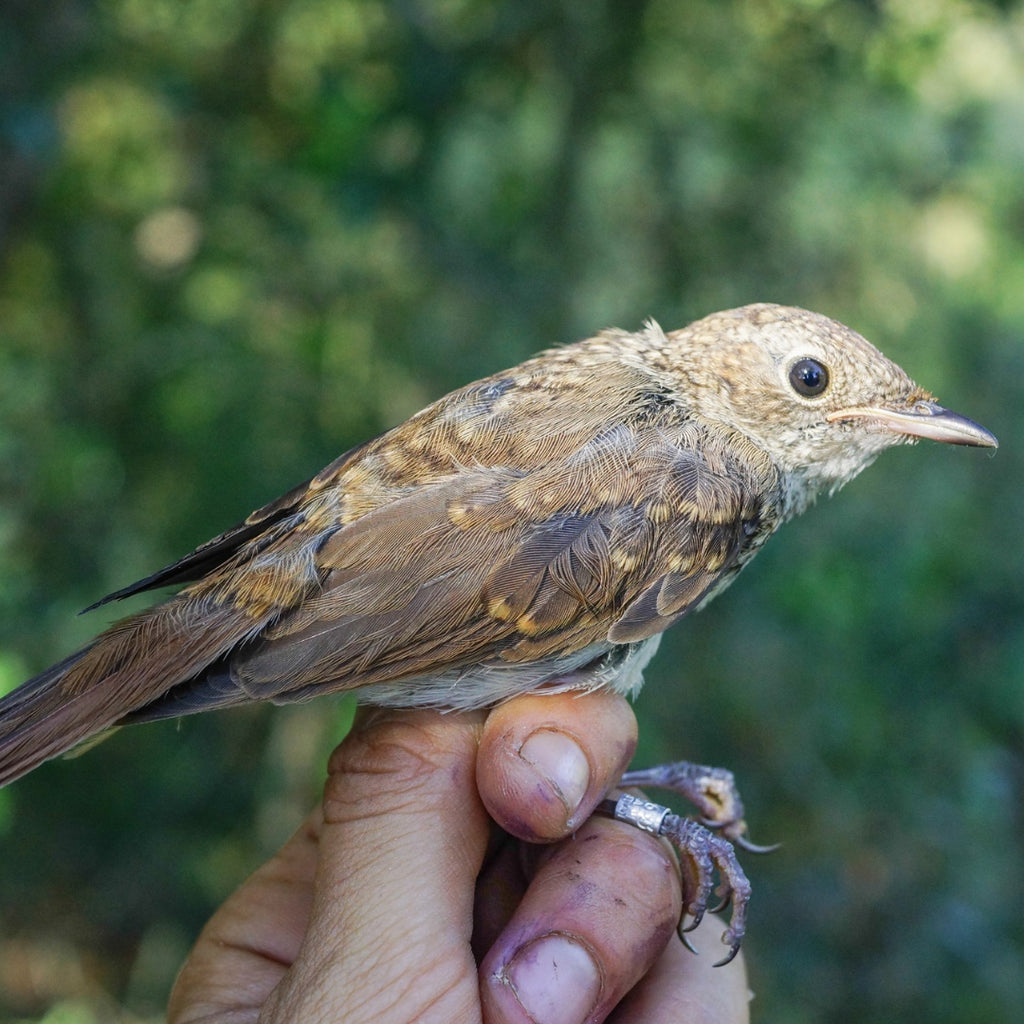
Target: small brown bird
535,530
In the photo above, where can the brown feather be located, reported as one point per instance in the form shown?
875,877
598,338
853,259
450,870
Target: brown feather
532,529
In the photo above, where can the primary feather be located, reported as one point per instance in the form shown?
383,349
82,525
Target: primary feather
538,528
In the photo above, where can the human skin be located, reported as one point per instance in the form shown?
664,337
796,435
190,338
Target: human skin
452,873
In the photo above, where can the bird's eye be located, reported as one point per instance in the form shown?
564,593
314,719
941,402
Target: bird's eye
808,377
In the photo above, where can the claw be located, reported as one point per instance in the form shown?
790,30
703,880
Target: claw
684,938
745,844
704,845
723,905
704,852
697,918
733,935
730,956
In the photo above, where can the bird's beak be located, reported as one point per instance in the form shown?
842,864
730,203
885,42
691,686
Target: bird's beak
923,419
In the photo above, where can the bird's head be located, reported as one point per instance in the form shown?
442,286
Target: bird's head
817,397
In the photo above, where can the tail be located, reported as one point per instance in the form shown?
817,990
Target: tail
132,664
245,579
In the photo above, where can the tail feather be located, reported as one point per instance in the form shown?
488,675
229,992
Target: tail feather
132,664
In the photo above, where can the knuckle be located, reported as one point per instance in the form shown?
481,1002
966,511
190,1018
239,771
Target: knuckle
394,762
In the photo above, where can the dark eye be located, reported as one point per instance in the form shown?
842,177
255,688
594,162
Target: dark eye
808,377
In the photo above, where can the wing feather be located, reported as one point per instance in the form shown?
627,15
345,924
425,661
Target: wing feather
471,570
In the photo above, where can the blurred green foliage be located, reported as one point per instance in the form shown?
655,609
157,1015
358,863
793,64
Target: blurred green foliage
238,237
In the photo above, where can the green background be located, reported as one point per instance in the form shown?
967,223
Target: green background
239,236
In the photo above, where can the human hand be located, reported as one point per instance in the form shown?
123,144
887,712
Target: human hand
401,900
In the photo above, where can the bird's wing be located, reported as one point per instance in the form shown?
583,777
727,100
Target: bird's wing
258,526
506,524
504,566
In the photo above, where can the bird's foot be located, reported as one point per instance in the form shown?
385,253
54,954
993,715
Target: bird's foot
704,846
711,790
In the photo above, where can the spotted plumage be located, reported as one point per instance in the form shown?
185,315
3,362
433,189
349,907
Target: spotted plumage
538,528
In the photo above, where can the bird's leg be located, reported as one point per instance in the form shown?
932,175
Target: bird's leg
704,846
711,790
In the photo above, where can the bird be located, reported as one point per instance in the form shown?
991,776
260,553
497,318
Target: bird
536,530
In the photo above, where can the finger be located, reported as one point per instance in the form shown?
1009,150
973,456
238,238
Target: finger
684,987
546,760
245,949
391,919
596,917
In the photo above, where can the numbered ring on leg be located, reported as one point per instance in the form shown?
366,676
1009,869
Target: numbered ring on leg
644,815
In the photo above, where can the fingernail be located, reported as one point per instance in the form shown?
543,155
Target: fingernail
562,763
555,980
